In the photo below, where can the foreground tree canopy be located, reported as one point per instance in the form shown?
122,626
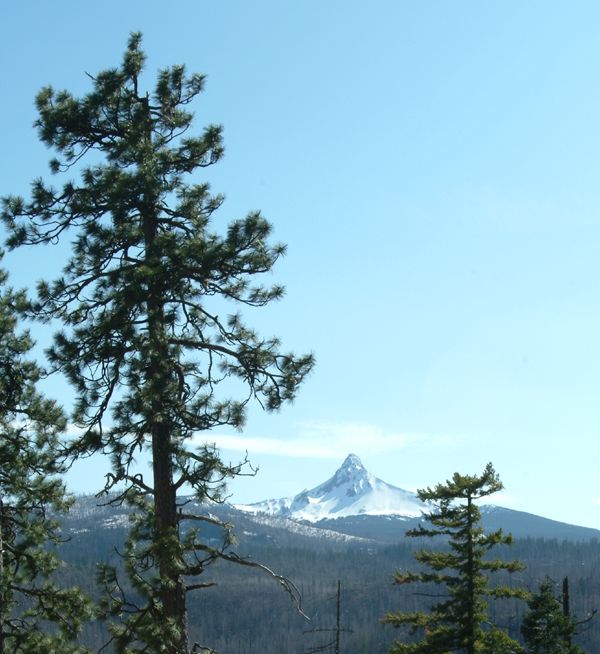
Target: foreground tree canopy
30,490
457,624
151,342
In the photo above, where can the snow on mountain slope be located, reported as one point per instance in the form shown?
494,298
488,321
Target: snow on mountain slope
279,507
294,527
351,491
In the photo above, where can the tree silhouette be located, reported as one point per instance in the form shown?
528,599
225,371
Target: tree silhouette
456,624
31,494
153,340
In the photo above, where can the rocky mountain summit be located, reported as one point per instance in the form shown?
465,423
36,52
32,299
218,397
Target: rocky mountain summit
352,491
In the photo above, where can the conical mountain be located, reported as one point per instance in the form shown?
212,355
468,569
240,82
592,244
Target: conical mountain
351,491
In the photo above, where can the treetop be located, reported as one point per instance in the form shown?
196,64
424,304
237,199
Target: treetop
464,487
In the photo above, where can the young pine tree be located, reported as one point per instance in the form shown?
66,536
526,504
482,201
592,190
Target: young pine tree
154,343
458,623
36,615
546,629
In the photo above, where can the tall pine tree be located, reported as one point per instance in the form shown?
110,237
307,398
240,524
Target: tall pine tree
458,623
36,615
154,343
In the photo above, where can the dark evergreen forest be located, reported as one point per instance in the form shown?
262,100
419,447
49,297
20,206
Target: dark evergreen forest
247,612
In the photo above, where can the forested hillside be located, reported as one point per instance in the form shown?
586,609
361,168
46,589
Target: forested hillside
247,612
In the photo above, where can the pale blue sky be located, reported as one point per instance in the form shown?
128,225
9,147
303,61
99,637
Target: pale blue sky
434,169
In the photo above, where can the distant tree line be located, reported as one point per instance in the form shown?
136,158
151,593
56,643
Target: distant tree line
263,621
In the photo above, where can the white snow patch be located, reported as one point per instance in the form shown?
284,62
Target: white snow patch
351,491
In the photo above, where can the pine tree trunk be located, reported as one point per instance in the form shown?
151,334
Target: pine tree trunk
2,609
470,649
566,604
337,621
172,591
172,588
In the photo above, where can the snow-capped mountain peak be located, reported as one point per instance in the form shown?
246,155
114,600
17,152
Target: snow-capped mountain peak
352,490
351,475
351,469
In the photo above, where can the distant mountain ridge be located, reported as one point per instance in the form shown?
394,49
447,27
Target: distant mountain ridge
352,491
353,507
356,503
